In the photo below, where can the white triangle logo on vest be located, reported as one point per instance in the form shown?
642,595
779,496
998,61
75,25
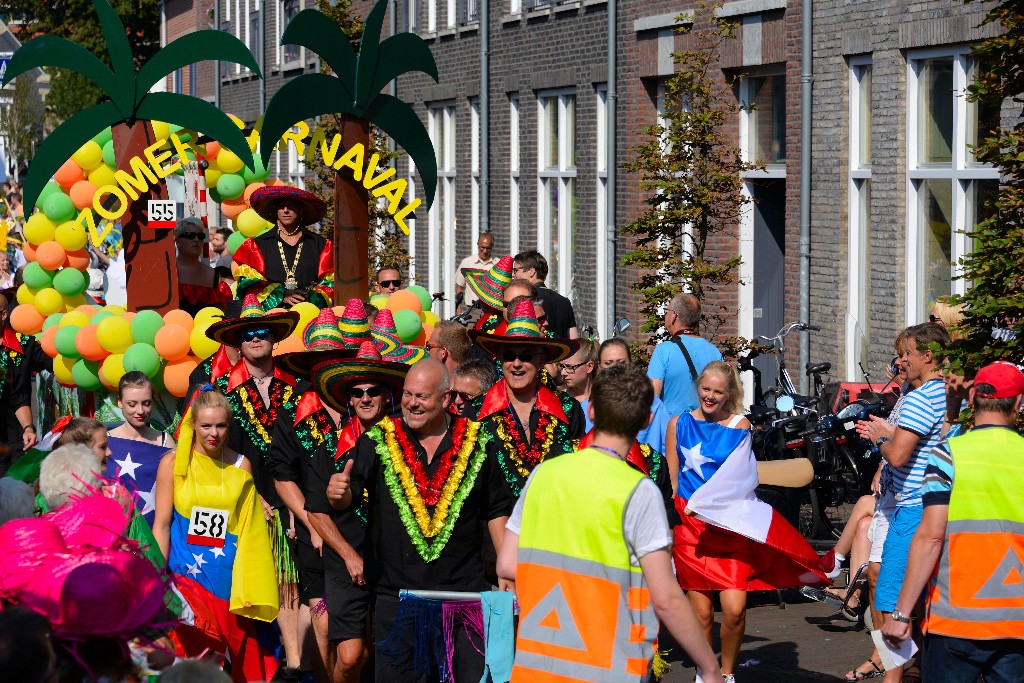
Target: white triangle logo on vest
552,621
1007,580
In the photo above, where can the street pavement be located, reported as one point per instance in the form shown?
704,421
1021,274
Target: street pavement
805,641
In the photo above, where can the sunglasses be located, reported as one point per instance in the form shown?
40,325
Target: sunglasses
513,356
463,396
390,283
251,335
934,319
192,236
372,392
566,367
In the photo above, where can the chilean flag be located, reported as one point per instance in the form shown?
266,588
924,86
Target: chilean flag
717,478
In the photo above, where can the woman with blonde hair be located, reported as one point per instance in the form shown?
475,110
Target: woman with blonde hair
728,542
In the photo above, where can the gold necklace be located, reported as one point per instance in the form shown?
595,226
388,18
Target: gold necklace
290,282
294,232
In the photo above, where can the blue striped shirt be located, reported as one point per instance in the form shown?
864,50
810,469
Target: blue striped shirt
923,414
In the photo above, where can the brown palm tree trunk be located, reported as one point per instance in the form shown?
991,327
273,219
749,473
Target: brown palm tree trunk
351,221
150,260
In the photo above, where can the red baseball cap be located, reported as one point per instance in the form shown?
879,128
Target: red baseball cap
1007,379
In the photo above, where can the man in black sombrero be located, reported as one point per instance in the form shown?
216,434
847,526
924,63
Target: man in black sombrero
287,264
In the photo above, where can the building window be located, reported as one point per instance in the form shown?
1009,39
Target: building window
432,16
411,223
289,54
513,166
441,250
474,133
176,84
450,18
946,186
470,11
515,6
412,15
252,36
556,175
602,210
296,166
765,102
858,331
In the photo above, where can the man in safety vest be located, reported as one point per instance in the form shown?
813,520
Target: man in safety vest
971,544
593,587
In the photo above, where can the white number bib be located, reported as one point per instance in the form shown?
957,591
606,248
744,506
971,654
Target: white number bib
208,526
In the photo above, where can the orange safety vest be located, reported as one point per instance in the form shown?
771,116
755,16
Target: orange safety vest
977,591
585,611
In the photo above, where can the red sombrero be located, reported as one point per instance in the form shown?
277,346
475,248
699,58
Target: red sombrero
332,377
324,341
264,202
523,330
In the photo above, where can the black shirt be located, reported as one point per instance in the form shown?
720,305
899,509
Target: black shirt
459,566
307,271
558,309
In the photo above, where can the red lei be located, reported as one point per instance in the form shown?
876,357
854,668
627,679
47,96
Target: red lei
531,455
430,487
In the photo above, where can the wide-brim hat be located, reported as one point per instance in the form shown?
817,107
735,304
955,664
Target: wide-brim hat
229,330
323,339
355,328
489,285
332,377
264,202
523,330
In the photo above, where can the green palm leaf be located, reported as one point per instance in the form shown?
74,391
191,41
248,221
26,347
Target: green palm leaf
197,114
209,44
369,48
72,134
400,54
398,120
52,51
312,30
293,103
121,59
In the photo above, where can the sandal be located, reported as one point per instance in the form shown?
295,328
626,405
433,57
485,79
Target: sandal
858,675
832,599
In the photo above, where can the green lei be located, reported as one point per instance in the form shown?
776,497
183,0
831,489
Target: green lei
655,458
563,443
429,551
282,398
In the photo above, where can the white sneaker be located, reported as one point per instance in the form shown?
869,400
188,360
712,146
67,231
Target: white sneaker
729,678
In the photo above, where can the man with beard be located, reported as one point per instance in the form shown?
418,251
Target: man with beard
527,422
427,534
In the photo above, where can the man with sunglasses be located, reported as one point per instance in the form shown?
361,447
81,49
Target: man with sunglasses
482,260
470,383
527,422
389,280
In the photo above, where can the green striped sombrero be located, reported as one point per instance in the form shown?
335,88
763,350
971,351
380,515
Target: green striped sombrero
323,340
354,326
490,284
384,333
523,330
333,377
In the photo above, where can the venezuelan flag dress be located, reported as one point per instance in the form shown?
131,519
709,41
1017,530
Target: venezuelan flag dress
221,563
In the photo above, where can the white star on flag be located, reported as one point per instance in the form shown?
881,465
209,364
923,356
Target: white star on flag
217,552
127,466
193,570
694,459
149,498
200,560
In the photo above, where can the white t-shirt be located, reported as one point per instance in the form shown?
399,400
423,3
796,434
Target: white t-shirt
644,526
116,291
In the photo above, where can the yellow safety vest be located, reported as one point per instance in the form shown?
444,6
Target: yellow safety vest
978,588
585,611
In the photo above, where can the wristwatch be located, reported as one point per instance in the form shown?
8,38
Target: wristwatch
881,440
898,616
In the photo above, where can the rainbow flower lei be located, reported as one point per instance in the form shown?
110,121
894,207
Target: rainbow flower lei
418,523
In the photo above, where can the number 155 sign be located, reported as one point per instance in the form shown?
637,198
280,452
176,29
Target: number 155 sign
163,214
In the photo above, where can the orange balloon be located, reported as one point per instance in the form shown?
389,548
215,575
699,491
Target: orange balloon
88,309
212,149
421,338
231,209
26,319
172,342
88,345
180,318
81,194
50,255
176,373
250,188
403,299
68,174
48,340
276,182
339,311
290,344
79,260
29,251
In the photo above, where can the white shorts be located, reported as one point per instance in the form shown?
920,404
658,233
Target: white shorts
879,528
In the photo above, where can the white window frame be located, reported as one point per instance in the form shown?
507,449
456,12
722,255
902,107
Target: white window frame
441,247
280,48
513,164
474,166
772,170
564,175
412,19
451,19
601,205
410,222
515,6
962,173
254,48
431,16
858,315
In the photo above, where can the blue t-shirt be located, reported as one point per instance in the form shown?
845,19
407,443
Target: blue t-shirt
654,434
923,414
668,364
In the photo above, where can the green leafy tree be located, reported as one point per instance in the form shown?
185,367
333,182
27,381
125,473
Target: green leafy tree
692,173
22,121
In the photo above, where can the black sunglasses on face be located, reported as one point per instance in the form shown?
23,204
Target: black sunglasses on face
192,236
261,333
934,319
372,392
464,396
390,283
512,356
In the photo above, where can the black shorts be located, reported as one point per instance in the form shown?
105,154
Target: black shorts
347,606
311,572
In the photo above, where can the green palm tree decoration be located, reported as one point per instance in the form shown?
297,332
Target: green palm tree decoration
355,88
127,89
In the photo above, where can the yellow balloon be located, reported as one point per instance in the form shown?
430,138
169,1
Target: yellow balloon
71,236
39,229
229,162
75,301
307,312
62,370
115,309
114,334
212,174
49,301
25,295
78,318
430,318
202,346
210,314
89,155
102,175
251,224
112,369
161,130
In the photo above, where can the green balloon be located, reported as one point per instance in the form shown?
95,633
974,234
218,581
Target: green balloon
145,325
108,154
86,374
65,341
70,282
230,186
234,242
37,277
408,325
51,320
99,316
212,193
422,294
59,208
189,156
102,138
48,189
142,357
257,176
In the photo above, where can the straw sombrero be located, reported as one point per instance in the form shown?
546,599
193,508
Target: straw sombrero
386,339
324,341
228,330
264,202
355,329
488,285
523,330
333,377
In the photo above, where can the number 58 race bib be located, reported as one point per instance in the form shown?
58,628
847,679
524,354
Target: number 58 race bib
208,526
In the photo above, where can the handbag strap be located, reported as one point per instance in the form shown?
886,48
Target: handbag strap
686,355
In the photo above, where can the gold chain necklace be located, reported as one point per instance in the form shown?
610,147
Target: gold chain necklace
290,282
